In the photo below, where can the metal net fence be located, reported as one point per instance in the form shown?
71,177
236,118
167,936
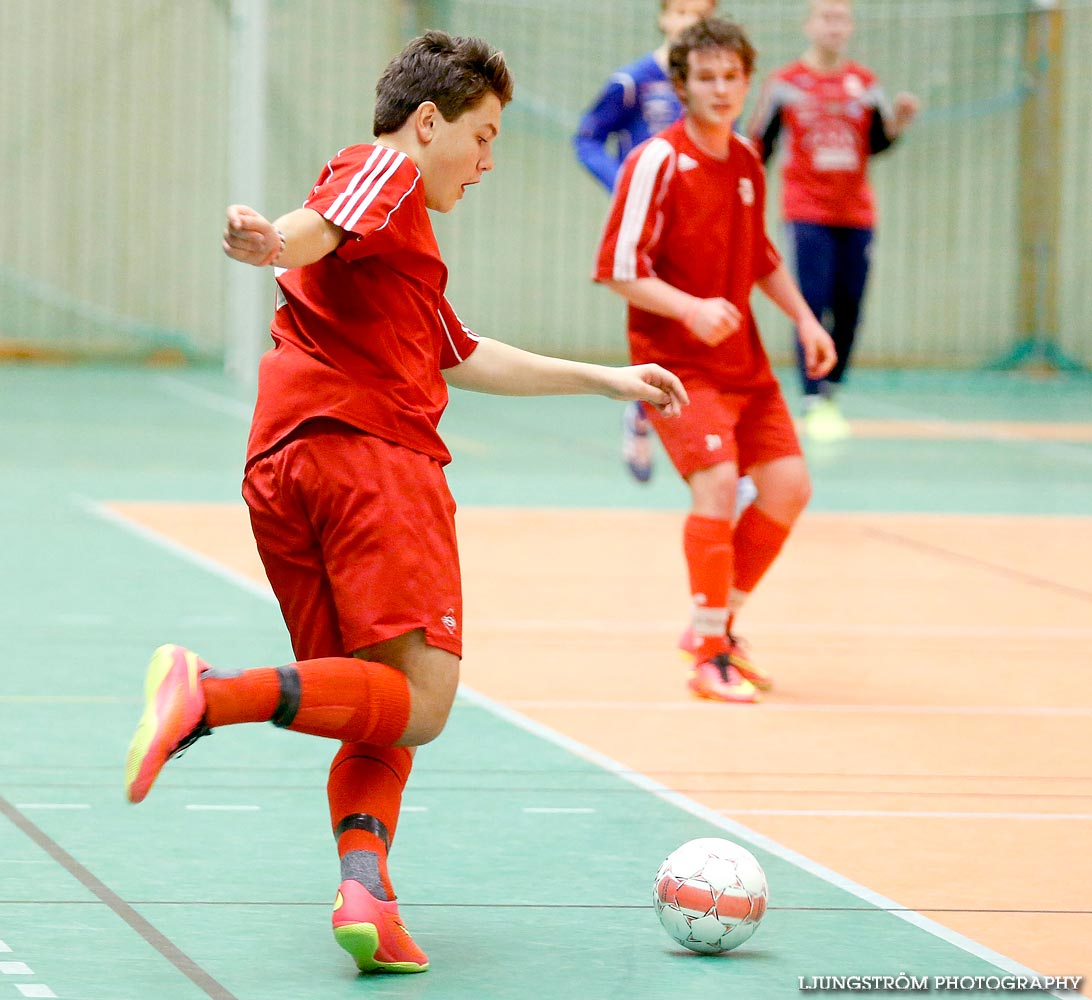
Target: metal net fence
116,157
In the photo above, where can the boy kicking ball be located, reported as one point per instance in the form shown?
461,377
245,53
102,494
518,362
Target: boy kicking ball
344,476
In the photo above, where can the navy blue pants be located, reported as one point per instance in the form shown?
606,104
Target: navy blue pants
831,264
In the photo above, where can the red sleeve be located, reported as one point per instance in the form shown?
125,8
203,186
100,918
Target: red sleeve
459,342
767,259
634,225
361,190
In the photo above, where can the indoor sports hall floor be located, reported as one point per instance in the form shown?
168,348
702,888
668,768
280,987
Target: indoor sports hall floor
918,787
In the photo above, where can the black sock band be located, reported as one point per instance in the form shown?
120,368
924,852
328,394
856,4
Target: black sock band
289,703
362,821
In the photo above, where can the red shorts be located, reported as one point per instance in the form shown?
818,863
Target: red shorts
357,536
746,428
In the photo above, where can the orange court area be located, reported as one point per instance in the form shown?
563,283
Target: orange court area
927,736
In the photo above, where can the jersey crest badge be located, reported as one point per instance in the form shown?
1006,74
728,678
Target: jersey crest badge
746,191
686,162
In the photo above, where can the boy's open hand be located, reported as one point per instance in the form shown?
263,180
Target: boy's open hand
649,384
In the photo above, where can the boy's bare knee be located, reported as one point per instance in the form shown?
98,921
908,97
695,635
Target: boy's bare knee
430,708
433,680
433,676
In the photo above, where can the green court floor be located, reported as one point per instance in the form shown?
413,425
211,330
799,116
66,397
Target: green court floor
220,884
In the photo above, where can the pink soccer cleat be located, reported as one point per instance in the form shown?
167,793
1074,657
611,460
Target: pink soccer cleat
372,932
717,680
173,719
737,656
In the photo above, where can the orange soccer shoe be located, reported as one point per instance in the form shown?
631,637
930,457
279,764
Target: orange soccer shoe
372,932
737,656
717,680
173,719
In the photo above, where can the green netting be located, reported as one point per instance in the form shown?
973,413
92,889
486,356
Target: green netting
114,161
37,321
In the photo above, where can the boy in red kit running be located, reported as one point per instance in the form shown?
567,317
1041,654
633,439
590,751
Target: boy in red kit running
833,116
684,244
344,475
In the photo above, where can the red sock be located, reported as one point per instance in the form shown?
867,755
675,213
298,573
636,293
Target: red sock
365,793
707,542
339,697
758,540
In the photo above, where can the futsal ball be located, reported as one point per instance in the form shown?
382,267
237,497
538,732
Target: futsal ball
710,895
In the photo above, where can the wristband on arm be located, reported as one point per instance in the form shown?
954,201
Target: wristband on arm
275,255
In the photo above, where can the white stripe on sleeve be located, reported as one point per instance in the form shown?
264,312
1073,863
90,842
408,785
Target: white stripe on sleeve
351,186
454,349
366,189
638,201
375,189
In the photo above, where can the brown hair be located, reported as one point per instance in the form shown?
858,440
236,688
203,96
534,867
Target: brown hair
452,72
711,33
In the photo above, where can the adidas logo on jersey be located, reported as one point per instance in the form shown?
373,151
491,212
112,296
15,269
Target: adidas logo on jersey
686,162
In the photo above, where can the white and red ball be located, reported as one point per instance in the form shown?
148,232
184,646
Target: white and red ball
710,895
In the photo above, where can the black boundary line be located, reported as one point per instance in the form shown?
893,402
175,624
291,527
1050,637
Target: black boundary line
170,951
999,570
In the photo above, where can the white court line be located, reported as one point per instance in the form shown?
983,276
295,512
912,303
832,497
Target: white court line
194,558
557,809
414,809
34,990
52,805
1050,711
908,814
4,947
645,627
623,773
197,807
15,969
745,833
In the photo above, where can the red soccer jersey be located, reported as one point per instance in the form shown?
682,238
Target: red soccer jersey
697,223
827,122
361,335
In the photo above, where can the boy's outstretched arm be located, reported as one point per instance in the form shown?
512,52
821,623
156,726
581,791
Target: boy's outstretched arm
503,370
298,238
